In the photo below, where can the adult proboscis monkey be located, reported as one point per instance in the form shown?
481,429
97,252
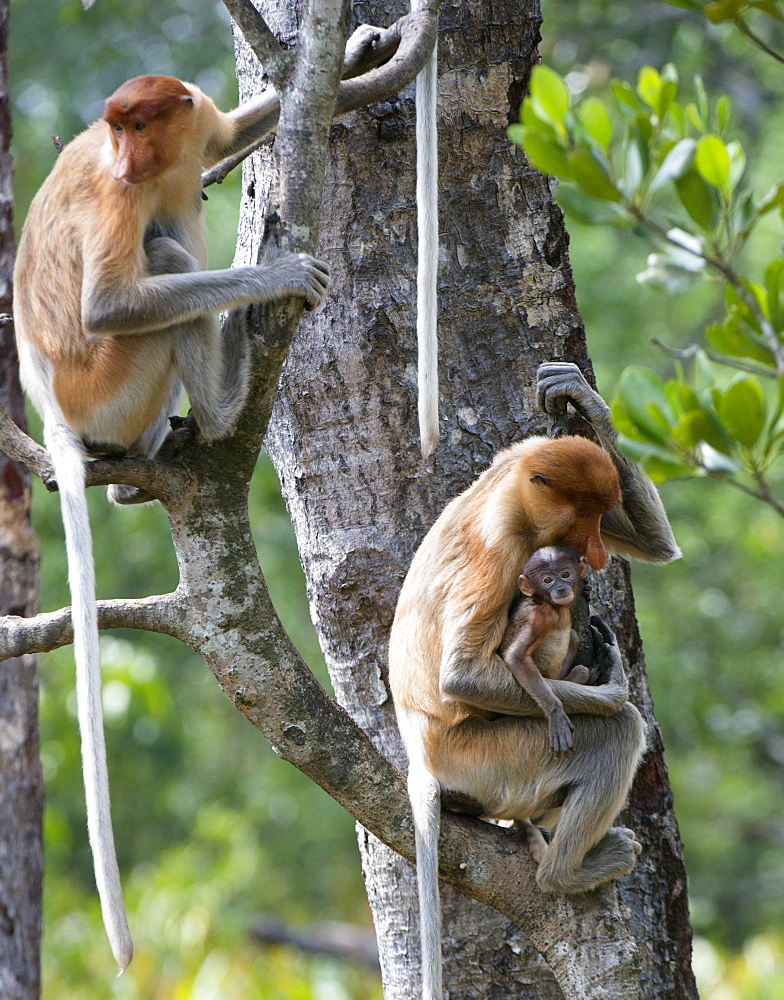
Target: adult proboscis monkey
468,726
115,315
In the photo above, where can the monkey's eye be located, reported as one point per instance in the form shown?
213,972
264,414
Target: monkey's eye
140,126
566,575
547,580
117,127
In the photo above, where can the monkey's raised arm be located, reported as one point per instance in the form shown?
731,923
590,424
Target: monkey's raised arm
487,683
638,526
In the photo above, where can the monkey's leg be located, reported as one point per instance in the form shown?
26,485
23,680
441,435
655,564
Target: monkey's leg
584,851
214,365
148,445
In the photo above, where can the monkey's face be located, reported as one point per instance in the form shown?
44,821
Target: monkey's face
552,574
146,118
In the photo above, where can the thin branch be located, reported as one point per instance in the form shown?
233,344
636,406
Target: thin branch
167,613
162,479
22,449
763,494
260,37
729,276
687,354
755,38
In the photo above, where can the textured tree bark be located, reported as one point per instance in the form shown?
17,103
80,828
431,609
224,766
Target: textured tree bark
344,440
21,783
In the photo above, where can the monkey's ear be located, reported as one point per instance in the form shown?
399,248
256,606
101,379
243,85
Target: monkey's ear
525,586
539,478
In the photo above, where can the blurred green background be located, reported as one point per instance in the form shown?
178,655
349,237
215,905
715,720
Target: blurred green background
212,828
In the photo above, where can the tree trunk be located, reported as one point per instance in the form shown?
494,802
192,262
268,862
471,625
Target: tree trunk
21,784
345,444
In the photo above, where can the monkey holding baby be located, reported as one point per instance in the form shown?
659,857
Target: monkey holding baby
466,715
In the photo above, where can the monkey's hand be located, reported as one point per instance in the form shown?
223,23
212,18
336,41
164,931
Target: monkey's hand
297,274
607,666
559,731
561,382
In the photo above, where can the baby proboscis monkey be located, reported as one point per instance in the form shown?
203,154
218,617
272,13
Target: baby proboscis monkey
539,641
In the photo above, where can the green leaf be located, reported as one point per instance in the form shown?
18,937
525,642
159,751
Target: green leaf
516,134
701,94
685,4
596,121
681,397
644,398
733,339
669,88
724,10
737,163
542,154
624,95
675,163
634,171
549,94
768,7
659,471
774,279
712,160
585,209
742,410
773,199
723,111
692,428
649,86
778,409
592,177
693,114
695,195
659,462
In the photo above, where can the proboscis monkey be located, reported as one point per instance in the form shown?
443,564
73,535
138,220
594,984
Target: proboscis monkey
539,641
468,726
115,314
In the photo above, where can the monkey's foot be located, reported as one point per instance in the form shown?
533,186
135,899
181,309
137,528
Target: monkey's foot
127,495
459,802
534,838
183,430
614,855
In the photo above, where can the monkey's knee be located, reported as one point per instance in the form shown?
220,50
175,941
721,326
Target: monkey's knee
633,730
167,256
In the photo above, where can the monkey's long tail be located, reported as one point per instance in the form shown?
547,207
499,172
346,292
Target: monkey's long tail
427,242
425,795
68,458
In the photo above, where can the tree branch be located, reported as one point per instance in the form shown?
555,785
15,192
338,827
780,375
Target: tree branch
257,33
22,449
41,634
163,479
403,48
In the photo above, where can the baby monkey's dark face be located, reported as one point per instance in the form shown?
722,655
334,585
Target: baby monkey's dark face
553,574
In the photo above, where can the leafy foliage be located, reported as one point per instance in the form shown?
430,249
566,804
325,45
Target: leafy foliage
663,165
